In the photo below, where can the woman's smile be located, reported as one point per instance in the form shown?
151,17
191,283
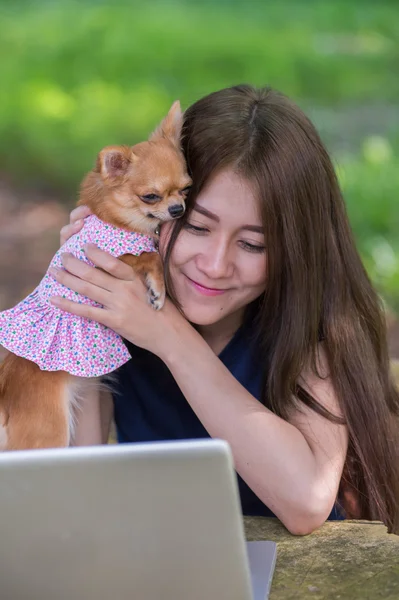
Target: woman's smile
218,264
205,290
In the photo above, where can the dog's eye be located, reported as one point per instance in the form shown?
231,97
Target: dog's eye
185,191
149,198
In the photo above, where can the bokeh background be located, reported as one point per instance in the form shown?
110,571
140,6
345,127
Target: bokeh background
78,75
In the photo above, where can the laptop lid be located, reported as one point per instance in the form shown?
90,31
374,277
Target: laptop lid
144,521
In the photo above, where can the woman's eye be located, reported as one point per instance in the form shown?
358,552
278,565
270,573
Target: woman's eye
150,198
252,247
194,228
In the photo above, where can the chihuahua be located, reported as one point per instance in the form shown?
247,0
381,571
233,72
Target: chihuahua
55,357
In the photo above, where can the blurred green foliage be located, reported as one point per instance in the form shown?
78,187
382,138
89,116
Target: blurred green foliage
78,75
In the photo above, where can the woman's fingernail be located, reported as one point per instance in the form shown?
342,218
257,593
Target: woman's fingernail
54,271
54,300
78,223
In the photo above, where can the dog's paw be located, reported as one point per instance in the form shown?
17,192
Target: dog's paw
156,298
156,293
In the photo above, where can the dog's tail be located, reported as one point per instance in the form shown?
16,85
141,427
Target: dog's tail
8,370
2,378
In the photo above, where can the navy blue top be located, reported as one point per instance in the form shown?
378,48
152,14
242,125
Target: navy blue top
149,405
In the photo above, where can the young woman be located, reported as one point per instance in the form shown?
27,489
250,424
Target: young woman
278,344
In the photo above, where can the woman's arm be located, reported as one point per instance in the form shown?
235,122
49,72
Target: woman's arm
294,467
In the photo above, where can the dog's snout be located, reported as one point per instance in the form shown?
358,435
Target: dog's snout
176,210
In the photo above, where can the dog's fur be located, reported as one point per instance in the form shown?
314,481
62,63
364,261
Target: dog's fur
132,188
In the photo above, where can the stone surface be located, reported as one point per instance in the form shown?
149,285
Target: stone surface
344,560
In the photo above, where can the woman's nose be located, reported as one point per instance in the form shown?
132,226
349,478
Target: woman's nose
216,262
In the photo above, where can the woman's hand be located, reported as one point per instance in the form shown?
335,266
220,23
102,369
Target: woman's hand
123,297
75,223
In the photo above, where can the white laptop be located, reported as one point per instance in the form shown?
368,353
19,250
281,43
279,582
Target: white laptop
156,521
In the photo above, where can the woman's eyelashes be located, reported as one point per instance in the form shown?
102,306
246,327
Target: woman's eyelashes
195,228
249,247
252,247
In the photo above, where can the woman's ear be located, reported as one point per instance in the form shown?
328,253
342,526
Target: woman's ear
171,126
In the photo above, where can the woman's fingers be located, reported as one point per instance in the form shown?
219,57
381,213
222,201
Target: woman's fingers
110,264
113,294
85,272
76,219
113,285
81,286
109,273
87,311
69,230
80,212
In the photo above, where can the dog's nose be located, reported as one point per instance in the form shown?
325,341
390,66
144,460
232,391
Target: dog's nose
176,210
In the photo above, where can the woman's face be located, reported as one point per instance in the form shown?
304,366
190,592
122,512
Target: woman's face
218,263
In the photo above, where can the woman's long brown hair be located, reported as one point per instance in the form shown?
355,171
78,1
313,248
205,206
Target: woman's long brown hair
317,287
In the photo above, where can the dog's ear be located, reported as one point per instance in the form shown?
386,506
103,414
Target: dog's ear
171,126
113,162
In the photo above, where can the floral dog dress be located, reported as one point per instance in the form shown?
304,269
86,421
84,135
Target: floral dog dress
59,341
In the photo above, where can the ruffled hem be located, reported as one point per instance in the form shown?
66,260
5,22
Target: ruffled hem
58,341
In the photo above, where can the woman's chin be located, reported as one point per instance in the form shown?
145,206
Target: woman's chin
200,315
203,316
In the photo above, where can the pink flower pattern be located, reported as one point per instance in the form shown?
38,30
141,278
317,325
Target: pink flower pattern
59,341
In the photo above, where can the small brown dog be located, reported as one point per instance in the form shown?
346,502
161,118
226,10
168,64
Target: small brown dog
53,356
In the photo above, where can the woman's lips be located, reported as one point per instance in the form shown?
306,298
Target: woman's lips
205,290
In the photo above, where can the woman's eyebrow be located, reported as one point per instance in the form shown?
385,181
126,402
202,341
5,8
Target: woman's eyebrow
206,213
211,215
255,228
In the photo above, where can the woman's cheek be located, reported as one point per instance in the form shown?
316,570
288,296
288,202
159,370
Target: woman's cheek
262,270
184,249
254,269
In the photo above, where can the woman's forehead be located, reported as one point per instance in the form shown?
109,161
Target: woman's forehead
227,194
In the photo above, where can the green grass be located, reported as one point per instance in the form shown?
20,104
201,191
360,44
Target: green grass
76,76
